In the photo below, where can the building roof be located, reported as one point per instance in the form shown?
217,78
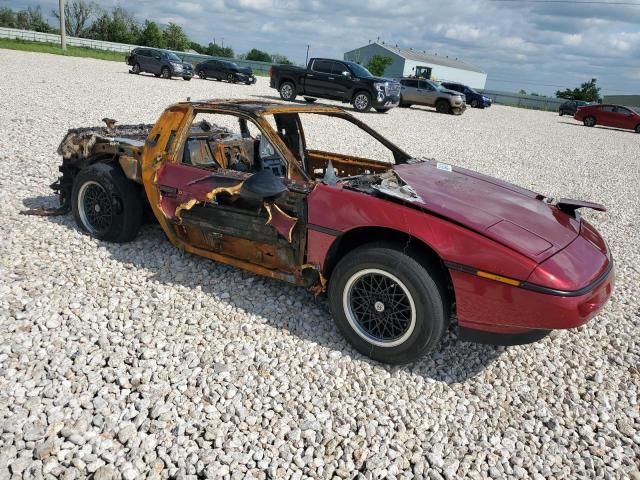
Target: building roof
420,56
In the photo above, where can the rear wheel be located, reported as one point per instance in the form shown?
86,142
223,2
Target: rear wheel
288,91
106,204
387,304
442,106
186,78
638,128
475,103
561,112
166,73
136,68
382,110
589,121
310,99
362,101
202,75
231,78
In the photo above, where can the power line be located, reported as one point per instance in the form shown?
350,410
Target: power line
574,2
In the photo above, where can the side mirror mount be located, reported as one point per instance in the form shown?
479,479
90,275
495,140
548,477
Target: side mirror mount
262,185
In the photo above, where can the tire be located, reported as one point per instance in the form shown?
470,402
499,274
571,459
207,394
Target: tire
310,99
475,103
165,73
157,75
589,121
186,78
136,68
202,75
402,104
442,106
417,288
288,91
382,110
231,78
561,112
102,187
638,128
361,101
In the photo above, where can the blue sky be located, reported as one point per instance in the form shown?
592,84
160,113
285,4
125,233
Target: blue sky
537,46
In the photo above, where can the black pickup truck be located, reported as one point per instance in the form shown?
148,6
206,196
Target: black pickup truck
336,80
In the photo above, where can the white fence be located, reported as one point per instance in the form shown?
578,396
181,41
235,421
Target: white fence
32,36
17,34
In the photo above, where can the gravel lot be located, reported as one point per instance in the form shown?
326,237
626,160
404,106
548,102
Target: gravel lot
137,359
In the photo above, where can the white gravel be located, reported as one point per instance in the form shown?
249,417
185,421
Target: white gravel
138,359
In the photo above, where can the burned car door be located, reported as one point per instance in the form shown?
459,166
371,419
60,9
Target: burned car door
221,192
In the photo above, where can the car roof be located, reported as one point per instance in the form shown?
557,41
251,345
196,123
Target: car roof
262,106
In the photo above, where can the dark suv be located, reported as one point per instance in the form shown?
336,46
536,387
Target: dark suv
570,107
160,63
225,70
475,99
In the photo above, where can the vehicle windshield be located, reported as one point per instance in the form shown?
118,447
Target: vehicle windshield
472,90
231,64
359,70
173,57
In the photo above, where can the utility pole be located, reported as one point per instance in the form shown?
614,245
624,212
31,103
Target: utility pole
306,62
63,33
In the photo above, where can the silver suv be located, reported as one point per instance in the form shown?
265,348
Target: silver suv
414,91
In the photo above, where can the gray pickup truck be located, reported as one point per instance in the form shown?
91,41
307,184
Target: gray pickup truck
415,91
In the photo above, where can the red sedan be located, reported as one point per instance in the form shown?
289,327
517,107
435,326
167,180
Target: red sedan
609,116
399,247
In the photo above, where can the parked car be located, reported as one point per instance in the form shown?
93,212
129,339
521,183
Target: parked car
609,116
427,92
399,247
473,98
160,63
225,70
570,107
336,80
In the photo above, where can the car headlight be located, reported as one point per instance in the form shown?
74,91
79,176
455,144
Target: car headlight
177,66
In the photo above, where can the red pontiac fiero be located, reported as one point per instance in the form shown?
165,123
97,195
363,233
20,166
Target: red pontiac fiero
400,247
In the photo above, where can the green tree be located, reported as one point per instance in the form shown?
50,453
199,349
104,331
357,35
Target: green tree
175,38
588,91
218,51
378,64
151,35
522,91
115,26
280,59
29,19
258,55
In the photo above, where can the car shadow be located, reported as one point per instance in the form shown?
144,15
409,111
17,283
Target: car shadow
453,362
602,127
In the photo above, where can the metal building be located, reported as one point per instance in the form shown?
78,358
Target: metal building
411,62
628,100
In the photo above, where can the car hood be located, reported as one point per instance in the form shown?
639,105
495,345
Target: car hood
506,213
452,92
383,79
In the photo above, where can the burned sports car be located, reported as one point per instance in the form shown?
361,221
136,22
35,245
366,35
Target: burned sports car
400,248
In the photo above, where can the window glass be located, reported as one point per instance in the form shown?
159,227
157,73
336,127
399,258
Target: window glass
322,66
410,83
606,108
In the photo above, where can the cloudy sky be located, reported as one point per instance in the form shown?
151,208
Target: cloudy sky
538,45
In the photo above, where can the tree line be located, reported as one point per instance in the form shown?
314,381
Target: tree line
86,19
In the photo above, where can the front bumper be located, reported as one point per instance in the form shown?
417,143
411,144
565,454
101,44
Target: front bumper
246,78
385,101
565,291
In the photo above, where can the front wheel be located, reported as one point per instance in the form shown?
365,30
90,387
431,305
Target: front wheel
186,78
136,68
442,106
106,204
362,102
388,305
589,122
288,91
202,75
561,112
475,103
310,99
166,73
638,128
231,78
382,110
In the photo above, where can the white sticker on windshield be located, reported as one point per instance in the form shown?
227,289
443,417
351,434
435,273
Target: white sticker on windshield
443,166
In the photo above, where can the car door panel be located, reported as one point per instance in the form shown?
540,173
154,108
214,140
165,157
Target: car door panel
207,211
427,93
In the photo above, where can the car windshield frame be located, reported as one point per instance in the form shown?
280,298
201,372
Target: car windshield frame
359,71
230,64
